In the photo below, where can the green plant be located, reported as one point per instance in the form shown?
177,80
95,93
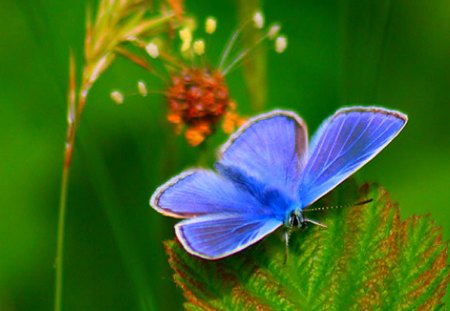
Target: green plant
367,259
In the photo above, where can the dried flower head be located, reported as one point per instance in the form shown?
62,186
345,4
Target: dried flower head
197,98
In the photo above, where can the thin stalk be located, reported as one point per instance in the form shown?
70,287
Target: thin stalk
230,44
72,122
60,239
59,258
243,54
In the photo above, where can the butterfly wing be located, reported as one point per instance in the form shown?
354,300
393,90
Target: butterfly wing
226,218
345,142
199,192
270,148
220,235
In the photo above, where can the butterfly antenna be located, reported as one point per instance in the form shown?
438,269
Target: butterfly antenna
324,208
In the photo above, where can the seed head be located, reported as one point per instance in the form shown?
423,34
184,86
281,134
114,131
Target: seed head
210,25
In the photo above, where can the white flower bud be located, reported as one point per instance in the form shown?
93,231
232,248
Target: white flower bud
273,31
152,50
142,88
117,97
258,19
280,44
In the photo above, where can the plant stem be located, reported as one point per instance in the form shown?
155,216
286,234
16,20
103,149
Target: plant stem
59,259
60,239
68,150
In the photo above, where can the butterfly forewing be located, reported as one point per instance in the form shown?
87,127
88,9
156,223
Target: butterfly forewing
344,143
270,148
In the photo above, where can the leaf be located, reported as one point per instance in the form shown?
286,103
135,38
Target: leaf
367,259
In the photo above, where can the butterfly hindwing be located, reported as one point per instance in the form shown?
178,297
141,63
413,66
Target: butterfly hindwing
344,143
270,148
220,235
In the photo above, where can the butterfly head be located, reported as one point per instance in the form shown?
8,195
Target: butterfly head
295,220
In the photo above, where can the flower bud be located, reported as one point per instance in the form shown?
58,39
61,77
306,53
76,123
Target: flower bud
199,47
280,44
152,50
210,25
258,19
117,97
142,88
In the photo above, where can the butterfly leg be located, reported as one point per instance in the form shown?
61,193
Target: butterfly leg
315,222
286,235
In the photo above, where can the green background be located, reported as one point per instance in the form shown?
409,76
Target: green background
389,53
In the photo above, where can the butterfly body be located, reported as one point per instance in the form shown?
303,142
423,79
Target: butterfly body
267,174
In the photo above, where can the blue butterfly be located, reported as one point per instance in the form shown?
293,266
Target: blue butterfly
267,175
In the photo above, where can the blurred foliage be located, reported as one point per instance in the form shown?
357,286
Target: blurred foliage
255,68
393,54
367,259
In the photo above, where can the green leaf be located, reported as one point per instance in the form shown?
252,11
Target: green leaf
367,259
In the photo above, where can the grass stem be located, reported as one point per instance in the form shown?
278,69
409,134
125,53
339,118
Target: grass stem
72,120
59,259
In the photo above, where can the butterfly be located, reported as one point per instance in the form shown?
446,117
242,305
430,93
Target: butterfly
267,174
